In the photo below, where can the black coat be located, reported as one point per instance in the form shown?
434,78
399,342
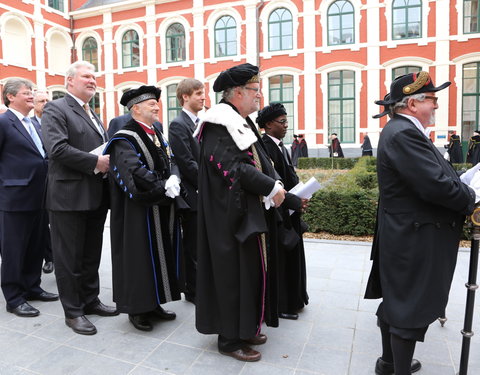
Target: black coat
473,153
119,122
421,211
236,288
455,149
367,149
335,148
143,228
292,274
186,150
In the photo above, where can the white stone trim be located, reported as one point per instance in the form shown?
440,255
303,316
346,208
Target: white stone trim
50,58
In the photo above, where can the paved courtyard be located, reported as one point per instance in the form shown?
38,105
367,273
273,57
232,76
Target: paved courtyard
336,333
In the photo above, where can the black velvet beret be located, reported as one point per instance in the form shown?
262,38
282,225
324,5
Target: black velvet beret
269,113
135,96
410,84
236,76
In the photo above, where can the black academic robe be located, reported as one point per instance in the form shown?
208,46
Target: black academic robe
335,149
236,273
303,149
473,153
144,231
455,149
421,209
295,151
367,149
292,274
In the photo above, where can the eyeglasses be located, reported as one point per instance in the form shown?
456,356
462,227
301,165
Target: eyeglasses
433,98
257,89
26,93
283,122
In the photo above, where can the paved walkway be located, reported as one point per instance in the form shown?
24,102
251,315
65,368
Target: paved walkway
336,333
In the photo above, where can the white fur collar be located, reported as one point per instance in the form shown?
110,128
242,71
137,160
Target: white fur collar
236,125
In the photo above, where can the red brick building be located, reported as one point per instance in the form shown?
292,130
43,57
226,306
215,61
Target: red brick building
327,61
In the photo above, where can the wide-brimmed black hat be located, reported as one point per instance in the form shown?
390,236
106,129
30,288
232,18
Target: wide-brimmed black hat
410,84
269,113
236,76
135,96
387,110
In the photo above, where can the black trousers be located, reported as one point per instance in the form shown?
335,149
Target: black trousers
77,238
21,239
189,226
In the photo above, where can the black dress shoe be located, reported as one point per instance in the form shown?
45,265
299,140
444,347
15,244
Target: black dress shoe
81,325
190,298
387,368
101,309
245,354
141,322
291,316
257,340
44,296
23,310
48,267
159,312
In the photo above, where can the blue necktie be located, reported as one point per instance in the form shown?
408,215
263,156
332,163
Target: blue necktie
33,133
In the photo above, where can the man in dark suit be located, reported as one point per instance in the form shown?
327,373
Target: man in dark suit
119,122
421,209
23,171
41,98
292,274
77,196
191,96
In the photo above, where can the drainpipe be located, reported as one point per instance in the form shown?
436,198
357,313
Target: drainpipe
73,57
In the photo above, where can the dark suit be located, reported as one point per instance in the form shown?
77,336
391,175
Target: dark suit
119,122
421,211
47,254
77,200
187,150
23,172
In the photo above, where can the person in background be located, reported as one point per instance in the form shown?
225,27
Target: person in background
473,153
454,148
292,274
335,148
295,150
367,149
303,148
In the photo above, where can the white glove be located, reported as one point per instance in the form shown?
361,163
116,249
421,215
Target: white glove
268,201
172,186
475,185
467,177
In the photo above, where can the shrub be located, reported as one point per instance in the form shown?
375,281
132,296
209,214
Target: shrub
327,163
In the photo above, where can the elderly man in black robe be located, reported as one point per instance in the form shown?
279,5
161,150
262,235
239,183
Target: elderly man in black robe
144,232
292,274
237,192
421,209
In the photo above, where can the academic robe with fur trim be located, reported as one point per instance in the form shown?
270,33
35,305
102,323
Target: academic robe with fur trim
236,275
421,209
292,274
144,230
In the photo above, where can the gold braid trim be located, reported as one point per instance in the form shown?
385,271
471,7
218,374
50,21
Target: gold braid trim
422,80
258,165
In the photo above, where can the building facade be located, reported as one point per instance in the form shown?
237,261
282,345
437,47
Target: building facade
327,61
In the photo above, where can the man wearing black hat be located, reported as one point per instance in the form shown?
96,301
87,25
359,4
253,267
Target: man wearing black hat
144,182
473,153
335,148
292,274
421,209
237,193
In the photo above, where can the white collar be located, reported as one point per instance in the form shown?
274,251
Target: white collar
190,114
417,124
18,114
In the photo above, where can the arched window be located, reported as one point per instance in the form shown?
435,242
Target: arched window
59,52
175,40
56,4
280,30
57,94
130,49
281,91
407,19
341,105
471,16
173,106
402,70
340,23
16,35
90,51
470,99
225,37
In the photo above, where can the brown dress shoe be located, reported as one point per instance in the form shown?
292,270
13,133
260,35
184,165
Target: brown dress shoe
101,309
81,325
245,354
257,340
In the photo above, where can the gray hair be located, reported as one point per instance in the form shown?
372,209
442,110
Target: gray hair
12,86
403,103
73,69
227,94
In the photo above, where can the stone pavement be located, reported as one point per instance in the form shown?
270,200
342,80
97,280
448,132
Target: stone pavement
336,333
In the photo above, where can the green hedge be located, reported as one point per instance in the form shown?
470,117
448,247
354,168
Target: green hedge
348,204
326,163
